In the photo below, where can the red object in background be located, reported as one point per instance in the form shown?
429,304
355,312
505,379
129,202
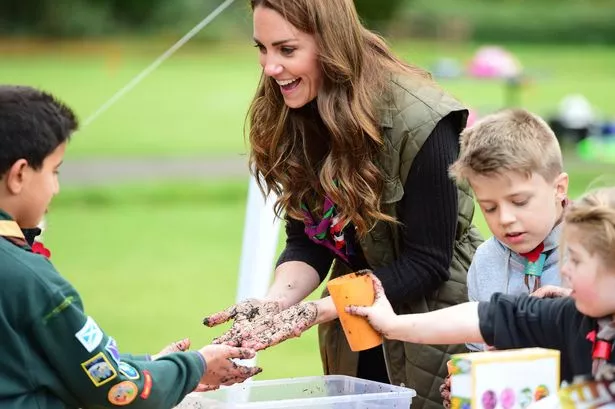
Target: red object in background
39,248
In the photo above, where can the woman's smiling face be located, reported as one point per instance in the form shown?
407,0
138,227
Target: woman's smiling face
287,55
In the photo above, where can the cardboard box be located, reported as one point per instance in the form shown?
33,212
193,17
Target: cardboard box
511,379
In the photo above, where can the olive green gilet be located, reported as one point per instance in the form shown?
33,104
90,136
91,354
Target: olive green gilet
406,122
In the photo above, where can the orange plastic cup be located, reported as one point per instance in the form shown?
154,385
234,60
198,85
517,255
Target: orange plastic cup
354,289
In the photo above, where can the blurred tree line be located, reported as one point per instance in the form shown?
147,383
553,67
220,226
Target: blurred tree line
574,21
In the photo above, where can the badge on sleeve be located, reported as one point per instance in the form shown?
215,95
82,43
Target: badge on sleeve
99,369
89,335
123,393
112,349
147,385
128,371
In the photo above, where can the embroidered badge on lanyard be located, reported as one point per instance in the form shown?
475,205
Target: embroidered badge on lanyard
534,263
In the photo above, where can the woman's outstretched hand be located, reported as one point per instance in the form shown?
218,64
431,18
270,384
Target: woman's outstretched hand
272,330
244,315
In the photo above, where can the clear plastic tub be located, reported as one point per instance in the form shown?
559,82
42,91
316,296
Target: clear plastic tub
319,392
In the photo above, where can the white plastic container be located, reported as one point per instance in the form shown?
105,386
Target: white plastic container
318,392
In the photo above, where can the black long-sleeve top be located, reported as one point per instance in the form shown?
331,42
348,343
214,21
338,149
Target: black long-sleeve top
509,322
428,216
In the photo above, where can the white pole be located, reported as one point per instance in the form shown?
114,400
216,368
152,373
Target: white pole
260,241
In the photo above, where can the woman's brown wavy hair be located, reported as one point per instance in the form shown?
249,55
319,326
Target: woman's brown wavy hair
356,68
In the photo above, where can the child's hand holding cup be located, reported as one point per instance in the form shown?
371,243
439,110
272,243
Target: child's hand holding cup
355,289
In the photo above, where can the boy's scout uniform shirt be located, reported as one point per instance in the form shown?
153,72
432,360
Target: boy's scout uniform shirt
52,355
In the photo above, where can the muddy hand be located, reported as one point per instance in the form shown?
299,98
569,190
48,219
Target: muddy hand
380,314
445,392
221,370
179,346
242,314
289,323
551,291
206,388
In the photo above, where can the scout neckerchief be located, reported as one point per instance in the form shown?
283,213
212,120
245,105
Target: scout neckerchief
535,259
328,231
534,263
11,231
602,338
24,238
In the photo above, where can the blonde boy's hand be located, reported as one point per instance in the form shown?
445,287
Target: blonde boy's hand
551,291
380,315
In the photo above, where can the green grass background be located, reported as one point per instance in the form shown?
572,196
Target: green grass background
195,103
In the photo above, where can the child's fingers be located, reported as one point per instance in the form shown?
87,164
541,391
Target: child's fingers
378,289
183,345
357,310
206,388
249,371
240,353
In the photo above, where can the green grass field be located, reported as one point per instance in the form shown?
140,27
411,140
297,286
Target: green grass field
195,103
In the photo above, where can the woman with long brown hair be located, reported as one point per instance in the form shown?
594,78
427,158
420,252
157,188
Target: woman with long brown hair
356,145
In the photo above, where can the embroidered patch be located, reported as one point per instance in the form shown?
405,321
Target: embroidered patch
99,369
128,371
90,335
123,393
111,348
147,385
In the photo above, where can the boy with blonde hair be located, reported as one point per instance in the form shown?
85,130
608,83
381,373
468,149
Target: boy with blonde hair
513,162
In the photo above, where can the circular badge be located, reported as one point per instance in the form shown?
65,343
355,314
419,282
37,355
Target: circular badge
123,393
